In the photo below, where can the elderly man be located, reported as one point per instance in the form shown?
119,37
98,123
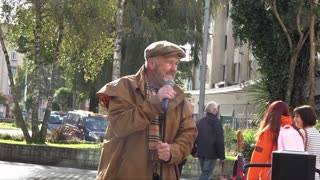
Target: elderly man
210,141
133,146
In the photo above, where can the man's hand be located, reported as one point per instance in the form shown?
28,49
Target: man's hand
166,91
163,151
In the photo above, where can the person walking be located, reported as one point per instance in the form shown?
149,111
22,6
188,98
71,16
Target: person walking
210,141
133,146
277,116
306,118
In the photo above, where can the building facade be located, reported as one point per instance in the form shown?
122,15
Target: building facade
230,65
16,60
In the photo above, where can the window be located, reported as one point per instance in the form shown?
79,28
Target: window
14,71
13,56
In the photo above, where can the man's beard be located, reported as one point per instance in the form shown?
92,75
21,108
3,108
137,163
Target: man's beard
162,78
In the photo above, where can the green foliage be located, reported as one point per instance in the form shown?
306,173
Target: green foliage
63,99
147,21
261,96
90,38
255,24
230,140
5,125
318,125
249,139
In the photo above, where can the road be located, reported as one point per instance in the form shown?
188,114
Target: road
24,171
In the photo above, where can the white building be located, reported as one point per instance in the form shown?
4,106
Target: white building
229,65
15,61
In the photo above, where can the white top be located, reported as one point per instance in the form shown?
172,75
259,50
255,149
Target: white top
313,144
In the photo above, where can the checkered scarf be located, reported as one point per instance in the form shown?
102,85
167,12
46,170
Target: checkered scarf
153,130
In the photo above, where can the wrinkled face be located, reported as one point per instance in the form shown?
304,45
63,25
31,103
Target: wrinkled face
297,120
164,68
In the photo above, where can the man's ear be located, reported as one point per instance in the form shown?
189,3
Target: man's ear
151,63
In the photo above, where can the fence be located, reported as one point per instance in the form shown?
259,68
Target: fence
236,116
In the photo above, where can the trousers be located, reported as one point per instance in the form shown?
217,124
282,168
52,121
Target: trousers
207,166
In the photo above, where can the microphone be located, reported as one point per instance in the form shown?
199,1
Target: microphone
165,101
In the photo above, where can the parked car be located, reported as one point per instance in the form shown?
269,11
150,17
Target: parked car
85,125
55,120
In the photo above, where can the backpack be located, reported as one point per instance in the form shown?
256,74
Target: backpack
290,139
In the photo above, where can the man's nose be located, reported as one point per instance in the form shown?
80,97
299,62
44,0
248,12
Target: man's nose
174,67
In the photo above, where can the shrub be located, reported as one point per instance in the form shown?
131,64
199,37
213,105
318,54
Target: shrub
7,136
230,140
61,135
249,139
318,125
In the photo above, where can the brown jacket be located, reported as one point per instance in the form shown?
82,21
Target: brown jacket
124,151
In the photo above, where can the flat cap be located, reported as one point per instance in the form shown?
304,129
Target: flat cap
163,48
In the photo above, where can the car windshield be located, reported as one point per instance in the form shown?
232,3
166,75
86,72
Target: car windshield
55,119
96,123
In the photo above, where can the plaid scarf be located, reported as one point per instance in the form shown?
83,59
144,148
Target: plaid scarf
153,131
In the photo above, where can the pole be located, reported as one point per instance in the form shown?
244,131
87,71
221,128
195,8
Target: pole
203,65
25,91
163,138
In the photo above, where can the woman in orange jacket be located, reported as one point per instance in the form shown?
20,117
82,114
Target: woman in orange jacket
277,115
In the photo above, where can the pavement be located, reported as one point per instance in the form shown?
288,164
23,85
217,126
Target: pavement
25,171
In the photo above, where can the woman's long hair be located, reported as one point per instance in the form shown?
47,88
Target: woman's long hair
273,118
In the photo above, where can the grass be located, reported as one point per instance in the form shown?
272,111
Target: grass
231,158
228,158
90,146
66,145
11,126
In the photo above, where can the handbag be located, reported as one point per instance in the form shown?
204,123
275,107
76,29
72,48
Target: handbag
221,175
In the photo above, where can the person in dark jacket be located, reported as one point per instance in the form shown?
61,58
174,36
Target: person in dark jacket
210,140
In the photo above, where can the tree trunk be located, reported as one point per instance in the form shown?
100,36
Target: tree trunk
117,49
53,78
292,67
312,53
18,113
94,102
36,72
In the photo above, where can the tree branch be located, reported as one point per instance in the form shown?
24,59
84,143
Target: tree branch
276,14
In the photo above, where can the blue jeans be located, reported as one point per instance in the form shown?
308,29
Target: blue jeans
207,166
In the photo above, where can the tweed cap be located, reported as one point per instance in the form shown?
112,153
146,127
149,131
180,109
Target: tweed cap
163,48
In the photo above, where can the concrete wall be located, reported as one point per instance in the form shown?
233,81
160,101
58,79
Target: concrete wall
192,169
76,158
65,157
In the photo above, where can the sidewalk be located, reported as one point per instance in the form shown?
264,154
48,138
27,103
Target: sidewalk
24,171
